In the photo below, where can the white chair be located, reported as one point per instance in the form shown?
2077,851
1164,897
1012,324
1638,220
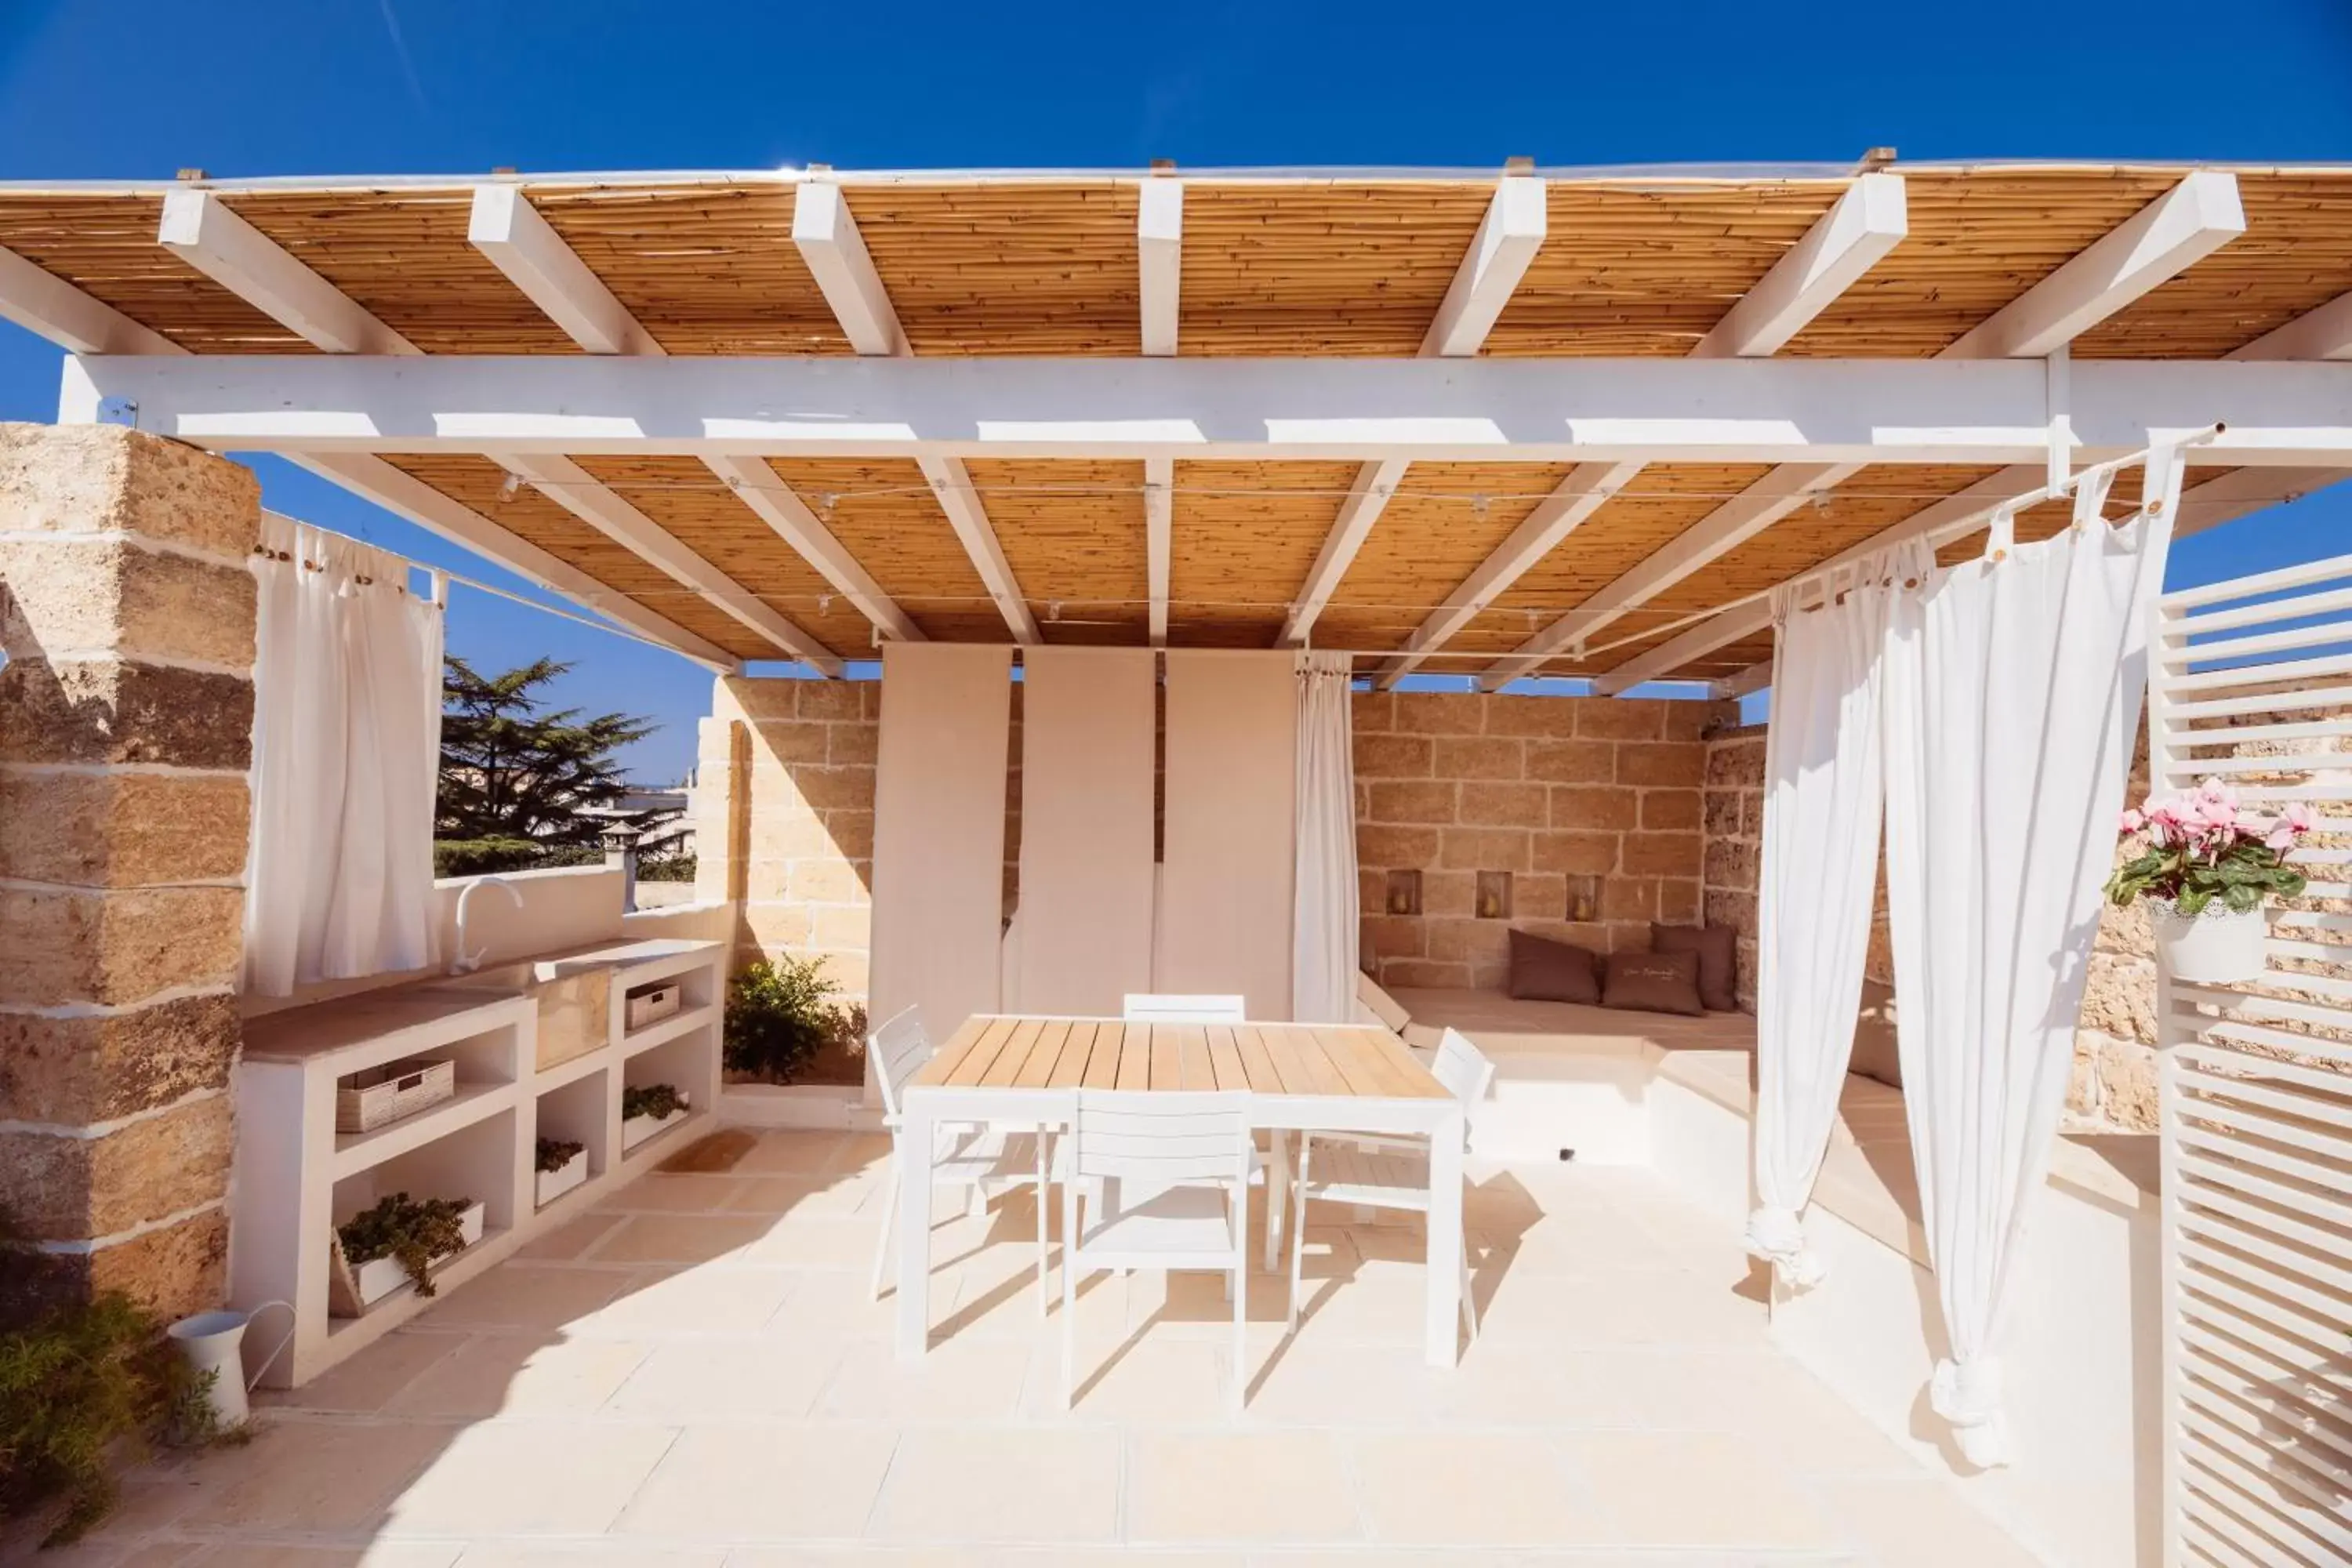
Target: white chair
1385,1171
1141,1009
965,1155
1193,1151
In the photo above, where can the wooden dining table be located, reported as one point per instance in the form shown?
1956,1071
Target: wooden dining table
1016,1072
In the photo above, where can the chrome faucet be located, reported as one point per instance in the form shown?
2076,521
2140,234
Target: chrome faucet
466,962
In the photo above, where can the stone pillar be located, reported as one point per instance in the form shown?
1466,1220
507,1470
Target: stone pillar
126,714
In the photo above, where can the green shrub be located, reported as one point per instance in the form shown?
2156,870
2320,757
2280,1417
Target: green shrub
416,1233
487,856
82,1388
780,1014
554,1154
653,1099
668,868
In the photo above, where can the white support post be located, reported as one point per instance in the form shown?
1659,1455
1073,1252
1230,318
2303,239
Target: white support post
44,304
1725,529
508,231
577,491
759,487
1159,265
1159,531
2163,239
953,489
1586,489
2321,333
199,228
1867,222
828,240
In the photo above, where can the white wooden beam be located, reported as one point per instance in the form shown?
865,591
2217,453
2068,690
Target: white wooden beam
1508,239
1160,266
758,486
1755,678
2280,413
829,242
2321,333
510,231
44,304
1158,537
579,492
1722,530
960,499
374,480
1584,491
1867,222
1366,499
199,228
2163,239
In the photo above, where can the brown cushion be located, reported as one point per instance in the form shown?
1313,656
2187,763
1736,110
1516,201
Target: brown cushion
1651,983
1875,1053
1543,970
1717,948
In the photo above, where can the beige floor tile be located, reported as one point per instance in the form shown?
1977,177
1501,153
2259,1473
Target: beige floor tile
692,1301
1917,1522
861,1556
1466,1488
534,1299
657,1193
836,1302
832,1197
574,1554
375,1375
1765,1395
505,1375
1698,1489
681,1239
570,1242
810,1241
530,1477
312,1475
1154,1380
698,1380
976,1485
375,1554
1639,1307
960,1380
1256,1487
797,1154
766,1484
1314,1382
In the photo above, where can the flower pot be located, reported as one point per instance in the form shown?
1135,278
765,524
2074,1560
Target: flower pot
352,1291
635,1130
553,1185
2218,946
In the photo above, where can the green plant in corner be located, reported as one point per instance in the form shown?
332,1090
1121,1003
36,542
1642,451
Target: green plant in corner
653,1099
554,1154
418,1234
82,1388
779,1012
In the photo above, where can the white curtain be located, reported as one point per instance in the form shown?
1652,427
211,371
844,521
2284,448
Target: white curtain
1822,811
1323,930
346,748
2011,689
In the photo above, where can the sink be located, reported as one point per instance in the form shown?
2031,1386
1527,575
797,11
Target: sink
574,998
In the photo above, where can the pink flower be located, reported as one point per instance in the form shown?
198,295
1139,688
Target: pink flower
2132,821
2300,816
2281,836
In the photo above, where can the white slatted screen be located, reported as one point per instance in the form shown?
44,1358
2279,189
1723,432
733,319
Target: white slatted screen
2253,683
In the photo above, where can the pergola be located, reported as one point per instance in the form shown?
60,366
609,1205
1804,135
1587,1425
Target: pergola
1567,424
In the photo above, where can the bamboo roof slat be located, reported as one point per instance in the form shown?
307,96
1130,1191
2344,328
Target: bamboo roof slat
477,483
981,268
1241,538
105,245
1073,533
884,514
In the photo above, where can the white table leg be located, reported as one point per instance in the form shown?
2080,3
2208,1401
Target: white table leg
1442,1333
915,1142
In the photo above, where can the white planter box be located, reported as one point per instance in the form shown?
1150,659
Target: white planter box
635,1130
372,1281
2218,947
553,1185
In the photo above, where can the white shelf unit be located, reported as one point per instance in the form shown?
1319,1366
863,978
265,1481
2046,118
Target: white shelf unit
297,1178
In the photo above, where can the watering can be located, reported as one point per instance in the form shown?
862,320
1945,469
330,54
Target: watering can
213,1341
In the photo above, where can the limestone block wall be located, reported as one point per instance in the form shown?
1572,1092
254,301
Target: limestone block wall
126,711
1732,826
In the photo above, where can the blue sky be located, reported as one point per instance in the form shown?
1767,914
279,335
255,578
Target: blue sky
123,88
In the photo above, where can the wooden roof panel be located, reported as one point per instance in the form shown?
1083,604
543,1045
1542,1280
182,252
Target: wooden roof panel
404,256
1649,269
707,269
1073,533
884,513
477,482
1007,269
105,245
1242,537
1443,523
1328,266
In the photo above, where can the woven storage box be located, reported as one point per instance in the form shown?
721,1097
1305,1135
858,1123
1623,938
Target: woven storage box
652,1005
379,1096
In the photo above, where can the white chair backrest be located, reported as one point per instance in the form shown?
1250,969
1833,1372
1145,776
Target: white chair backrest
1463,1068
899,1048
1141,1009
1156,1138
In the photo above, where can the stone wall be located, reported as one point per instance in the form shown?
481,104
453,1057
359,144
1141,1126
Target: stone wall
1590,805
126,713
1732,826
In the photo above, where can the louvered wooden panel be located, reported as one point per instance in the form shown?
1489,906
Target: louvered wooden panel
1005,269
884,515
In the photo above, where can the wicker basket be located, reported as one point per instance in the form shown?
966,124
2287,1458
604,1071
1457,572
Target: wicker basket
652,1005
379,1096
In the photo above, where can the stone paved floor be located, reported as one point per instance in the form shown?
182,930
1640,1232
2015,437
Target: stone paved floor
693,1377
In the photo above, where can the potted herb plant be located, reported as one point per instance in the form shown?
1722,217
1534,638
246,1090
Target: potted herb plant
2205,870
562,1166
647,1108
400,1240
